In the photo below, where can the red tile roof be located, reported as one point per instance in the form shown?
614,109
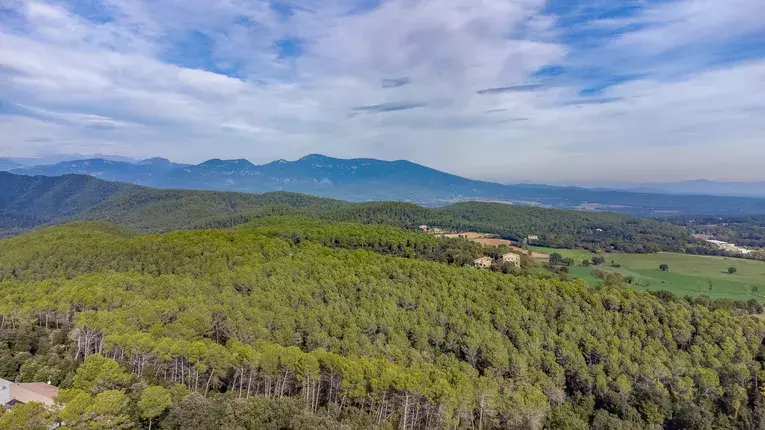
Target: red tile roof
44,390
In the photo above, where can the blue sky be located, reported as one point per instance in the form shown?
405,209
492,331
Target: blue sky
559,91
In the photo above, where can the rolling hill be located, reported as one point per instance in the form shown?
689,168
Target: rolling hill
31,201
27,202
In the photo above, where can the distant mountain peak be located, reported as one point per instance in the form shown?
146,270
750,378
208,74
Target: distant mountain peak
155,161
313,157
221,161
238,163
211,161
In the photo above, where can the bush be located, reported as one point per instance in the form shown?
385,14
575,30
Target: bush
665,295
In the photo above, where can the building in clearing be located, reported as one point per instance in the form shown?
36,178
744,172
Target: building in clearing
512,258
483,262
533,237
730,247
12,393
424,227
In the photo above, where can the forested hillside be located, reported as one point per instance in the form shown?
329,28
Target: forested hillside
296,325
27,202
565,229
35,201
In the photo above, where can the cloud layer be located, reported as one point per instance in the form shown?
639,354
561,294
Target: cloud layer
524,90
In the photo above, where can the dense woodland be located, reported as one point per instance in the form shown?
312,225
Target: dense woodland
294,323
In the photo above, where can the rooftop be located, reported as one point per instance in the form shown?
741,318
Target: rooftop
40,388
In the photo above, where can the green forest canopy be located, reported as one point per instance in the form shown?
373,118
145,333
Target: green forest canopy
265,326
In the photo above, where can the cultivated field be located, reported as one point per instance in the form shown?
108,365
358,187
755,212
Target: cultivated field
471,235
492,240
691,275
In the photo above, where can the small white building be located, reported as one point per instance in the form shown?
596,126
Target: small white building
533,237
512,258
483,262
423,227
12,393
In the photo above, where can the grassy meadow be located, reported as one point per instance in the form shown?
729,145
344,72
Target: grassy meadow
691,275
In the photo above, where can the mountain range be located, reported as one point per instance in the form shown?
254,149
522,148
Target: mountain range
58,158
365,179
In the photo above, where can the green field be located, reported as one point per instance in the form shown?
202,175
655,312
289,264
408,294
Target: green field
688,274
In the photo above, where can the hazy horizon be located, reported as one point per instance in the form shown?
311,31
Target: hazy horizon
550,92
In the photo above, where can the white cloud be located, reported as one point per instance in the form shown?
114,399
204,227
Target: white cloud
681,36
106,85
